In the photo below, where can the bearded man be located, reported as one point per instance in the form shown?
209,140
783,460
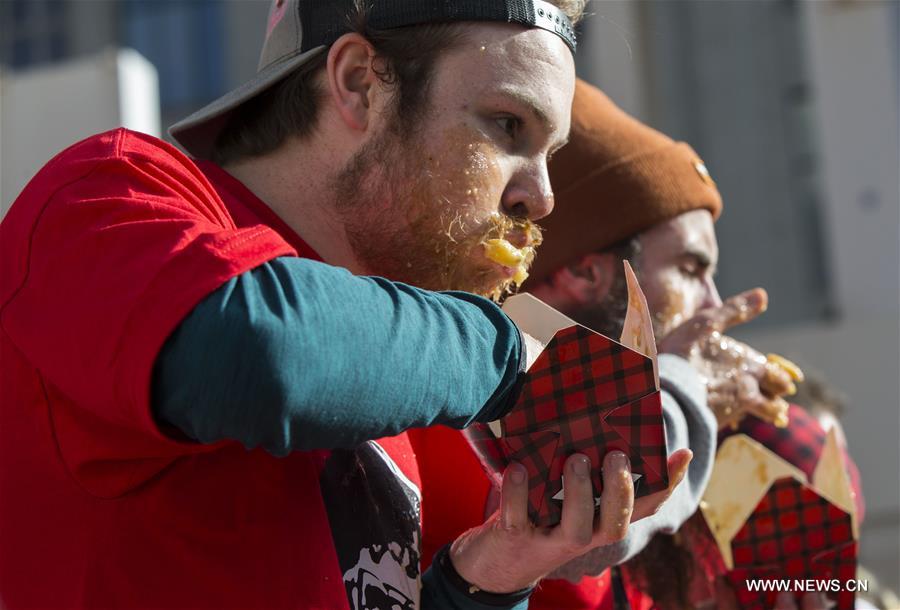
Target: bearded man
668,204
626,192
197,362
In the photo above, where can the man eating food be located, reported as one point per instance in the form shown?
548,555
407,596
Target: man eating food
206,377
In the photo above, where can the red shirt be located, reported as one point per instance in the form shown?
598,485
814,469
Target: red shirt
102,255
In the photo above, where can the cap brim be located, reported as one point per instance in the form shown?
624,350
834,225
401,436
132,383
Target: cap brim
197,133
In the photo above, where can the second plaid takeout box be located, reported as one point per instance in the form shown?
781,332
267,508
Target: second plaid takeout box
794,534
586,394
771,523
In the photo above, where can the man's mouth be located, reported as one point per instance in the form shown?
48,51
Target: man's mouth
509,243
516,260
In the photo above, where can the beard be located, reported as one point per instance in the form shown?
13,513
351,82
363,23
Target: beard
608,316
422,219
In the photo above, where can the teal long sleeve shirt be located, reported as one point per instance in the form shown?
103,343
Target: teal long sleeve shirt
300,355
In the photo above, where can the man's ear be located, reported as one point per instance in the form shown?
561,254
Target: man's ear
352,81
589,280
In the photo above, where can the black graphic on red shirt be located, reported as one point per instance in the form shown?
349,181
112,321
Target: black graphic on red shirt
374,516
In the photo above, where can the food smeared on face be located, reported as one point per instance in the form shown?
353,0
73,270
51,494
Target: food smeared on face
478,248
671,310
455,237
501,251
676,267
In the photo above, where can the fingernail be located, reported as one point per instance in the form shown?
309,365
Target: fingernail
517,473
581,467
620,460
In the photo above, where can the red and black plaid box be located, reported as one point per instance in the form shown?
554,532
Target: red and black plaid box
794,535
584,394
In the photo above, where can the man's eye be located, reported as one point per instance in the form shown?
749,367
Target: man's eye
510,125
693,270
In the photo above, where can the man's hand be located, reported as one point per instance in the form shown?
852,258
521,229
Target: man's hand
507,553
746,378
739,379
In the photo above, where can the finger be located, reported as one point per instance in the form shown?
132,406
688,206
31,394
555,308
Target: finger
723,408
740,309
785,601
514,498
733,355
776,381
814,601
773,410
577,525
492,502
729,408
726,384
677,467
792,369
617,500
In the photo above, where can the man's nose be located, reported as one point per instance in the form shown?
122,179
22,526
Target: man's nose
711,294
529,195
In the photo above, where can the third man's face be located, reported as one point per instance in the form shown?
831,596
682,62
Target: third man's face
676,266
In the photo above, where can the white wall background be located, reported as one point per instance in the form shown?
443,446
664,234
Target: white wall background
44,110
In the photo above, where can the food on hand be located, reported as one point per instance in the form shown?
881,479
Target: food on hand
789,367
759,382
775,411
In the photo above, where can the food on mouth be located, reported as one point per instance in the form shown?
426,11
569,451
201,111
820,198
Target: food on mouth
498,249
502,252
520,275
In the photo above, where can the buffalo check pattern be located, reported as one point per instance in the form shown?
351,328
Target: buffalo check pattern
584,394
794,533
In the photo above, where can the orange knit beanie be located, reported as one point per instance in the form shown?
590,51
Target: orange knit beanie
615,178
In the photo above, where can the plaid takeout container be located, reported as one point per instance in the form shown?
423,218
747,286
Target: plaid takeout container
794,534
771,522
586,394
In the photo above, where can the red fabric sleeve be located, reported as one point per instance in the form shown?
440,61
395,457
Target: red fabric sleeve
103,254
